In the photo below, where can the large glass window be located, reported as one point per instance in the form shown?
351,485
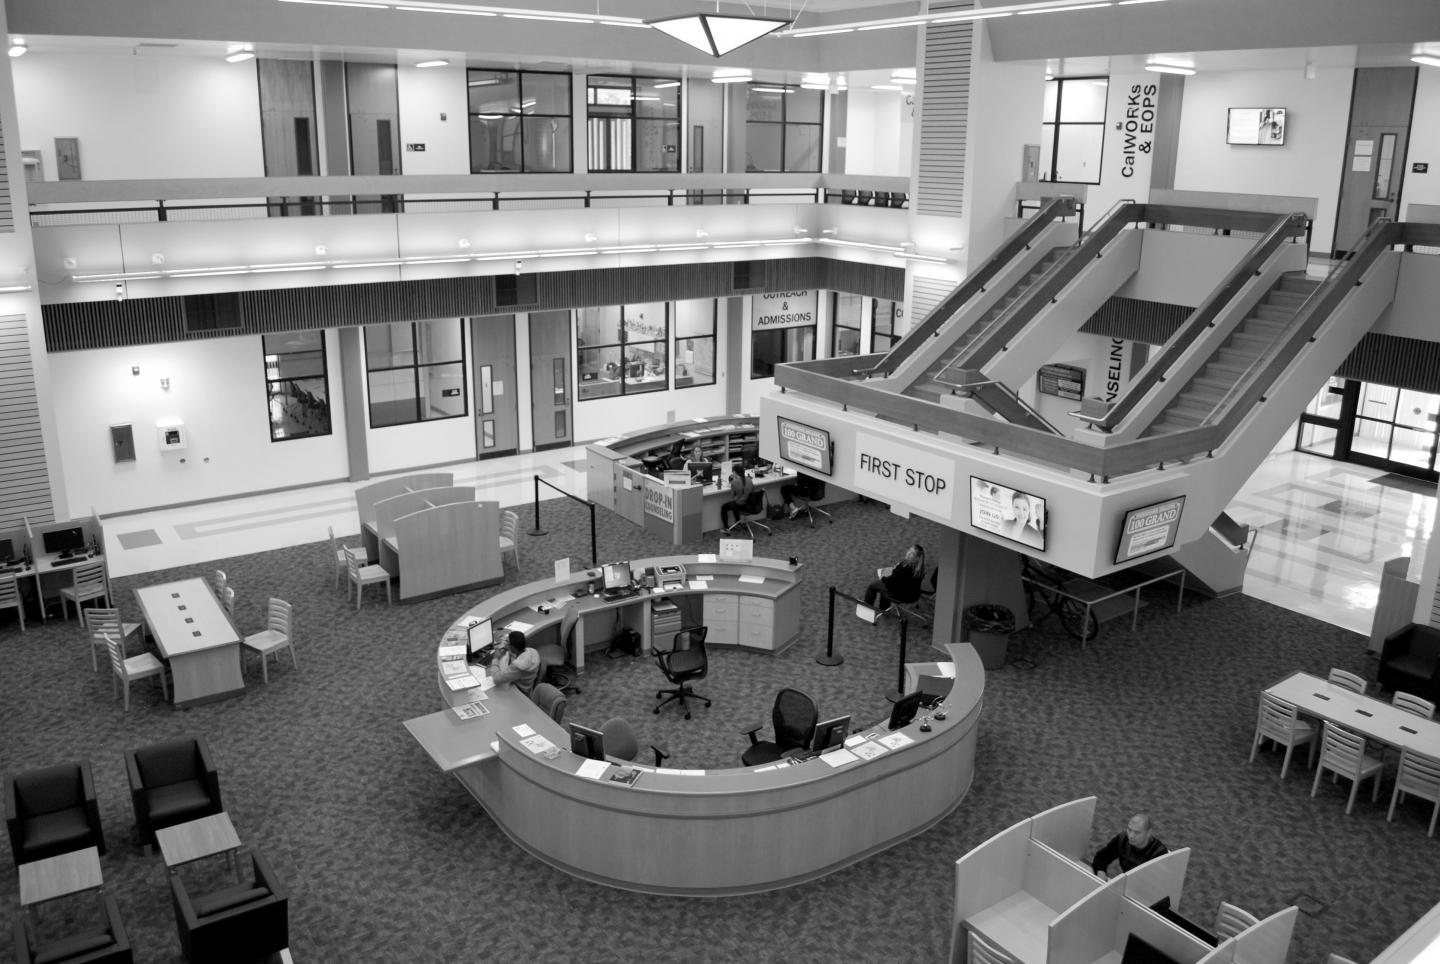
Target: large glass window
296,385
634,123
845,327
780,345
887,322
783,129
1073,131
519,121
415,371
695,323
624,350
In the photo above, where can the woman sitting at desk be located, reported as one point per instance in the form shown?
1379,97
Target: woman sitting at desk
741,488
518,664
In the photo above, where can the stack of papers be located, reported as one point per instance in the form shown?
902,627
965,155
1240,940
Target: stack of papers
517,624
470,711
895,740
456,667
592,769
465,681
868,750
840,757
755,579
453,652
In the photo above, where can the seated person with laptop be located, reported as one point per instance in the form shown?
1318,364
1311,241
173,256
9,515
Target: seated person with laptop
517,664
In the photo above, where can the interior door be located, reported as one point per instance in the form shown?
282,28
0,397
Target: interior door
1381,105
497,410
551,395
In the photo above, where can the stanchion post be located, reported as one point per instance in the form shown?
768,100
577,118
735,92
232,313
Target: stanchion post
537,531
594,555
828,658
899,689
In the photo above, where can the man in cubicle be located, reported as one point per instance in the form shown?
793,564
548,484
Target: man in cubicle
1130,849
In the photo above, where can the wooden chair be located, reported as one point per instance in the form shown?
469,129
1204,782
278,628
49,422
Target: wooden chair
510,536
363,575
1411,703
1343,754
133,668
227,602
1280,723
338,549
87,581
1346,680
218,582
1418,775
983,952
10,597
101,622
1231,920
275,637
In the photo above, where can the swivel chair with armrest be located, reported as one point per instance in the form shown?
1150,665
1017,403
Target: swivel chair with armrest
107,944
551,701
922,607
793,719
803,493
248,921
620,742
1410,661
51,811
685,662
755,508
172,782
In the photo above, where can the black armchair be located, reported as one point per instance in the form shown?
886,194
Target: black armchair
1410,661
245,922
684,663
108,944
52,811
172,782
793,718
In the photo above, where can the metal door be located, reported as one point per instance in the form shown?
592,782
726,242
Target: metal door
550,368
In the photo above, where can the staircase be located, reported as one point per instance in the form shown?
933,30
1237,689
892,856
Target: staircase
1250,339
926,386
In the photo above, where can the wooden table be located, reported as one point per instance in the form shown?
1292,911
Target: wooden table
1371,718
197,839
196,637
59,876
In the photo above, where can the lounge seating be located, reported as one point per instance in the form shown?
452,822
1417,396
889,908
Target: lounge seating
105,944
172,782
1410,661
248,921
52,811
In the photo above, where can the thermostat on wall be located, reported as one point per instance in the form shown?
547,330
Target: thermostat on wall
172,435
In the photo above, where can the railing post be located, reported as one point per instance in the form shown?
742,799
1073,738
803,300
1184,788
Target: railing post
594,555
899,689
162,214
537,531
828,658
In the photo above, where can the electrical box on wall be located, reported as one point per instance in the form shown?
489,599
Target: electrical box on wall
172,435
122,442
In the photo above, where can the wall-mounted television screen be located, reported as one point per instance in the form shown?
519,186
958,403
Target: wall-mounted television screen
1007,512
1149,529
805,445
1255,125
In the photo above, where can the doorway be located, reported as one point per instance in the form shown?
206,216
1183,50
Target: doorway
1380,109
550,368
1367,423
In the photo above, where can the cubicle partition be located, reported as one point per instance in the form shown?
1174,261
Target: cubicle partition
450,547
388,510
367,495
50,571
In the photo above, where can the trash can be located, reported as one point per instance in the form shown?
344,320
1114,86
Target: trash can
989,627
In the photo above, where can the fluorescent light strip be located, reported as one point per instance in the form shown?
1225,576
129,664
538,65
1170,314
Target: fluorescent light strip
949,16
458,11
15,289
342,3
1083,6
545,16
1170,69
1426,60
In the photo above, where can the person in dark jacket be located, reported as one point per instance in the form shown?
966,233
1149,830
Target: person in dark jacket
902,582
1131,848
741,488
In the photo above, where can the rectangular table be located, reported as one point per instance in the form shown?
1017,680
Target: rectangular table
194,840
59,876
196,637
1371,718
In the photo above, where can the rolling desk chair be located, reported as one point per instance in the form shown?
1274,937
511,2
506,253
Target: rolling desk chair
620,742
685,662
756,507
802,493
793,719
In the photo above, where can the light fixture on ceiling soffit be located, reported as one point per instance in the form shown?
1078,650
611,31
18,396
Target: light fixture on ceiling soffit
717,34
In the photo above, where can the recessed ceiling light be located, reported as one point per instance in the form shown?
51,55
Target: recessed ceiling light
1170,69
1428,61
886,87
239,56
433,63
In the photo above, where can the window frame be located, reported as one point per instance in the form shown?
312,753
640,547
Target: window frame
836,327
627,387
1059,127
635,121
270,383
896,313
714,340
782,332
520,75
414,367
785,124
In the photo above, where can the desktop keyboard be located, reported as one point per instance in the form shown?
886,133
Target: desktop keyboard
610,595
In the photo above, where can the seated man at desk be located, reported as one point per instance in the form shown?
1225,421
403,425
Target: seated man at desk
1131,848
517,664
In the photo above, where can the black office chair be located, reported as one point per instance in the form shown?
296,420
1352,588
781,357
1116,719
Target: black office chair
551,701
805,491
793,718
756,507
685,663
620,742
922,607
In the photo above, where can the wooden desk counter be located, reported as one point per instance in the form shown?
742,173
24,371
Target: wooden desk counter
197,638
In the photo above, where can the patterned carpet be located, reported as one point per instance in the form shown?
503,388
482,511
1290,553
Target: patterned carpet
388,860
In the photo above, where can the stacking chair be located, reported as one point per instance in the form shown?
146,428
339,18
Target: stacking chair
106,944
87,581
218,582
510,536
339,550
126,669
51,811
1411,703
362,575
274,637
551,701
755,508
227,602
1280,723
793,719
1346,680
620,742
685,663
10,597
248,921
1231,920
1418,775
100,622
173,781
983,952
1343,754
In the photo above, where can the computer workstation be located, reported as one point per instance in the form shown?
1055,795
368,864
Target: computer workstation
46,555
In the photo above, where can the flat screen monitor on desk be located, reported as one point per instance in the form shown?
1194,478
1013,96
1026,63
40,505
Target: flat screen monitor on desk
1162,907
587,742
1140,951
617,575
830,734
904,710
61,540
934,689
7,550
482,634
702,472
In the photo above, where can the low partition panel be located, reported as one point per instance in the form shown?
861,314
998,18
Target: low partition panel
449,548
1086,931
986,876
1066,828
1162,877
1267,942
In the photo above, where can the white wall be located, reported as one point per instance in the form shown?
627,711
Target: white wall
1424,143
879,127
1307,165
217,388
423,96
141,116
1126,160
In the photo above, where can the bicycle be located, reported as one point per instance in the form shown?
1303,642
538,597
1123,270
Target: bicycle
1045,587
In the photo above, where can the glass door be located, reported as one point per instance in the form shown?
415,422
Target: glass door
1395,429
1321,422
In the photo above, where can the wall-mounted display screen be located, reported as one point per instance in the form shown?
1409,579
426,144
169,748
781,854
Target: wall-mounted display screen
1255,125
805,445
1149,529
1008,513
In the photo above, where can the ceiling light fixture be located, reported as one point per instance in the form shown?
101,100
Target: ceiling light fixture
731,75
238,57
717,34
953,16
666,84
433,63
1170,69
1424,59
18,47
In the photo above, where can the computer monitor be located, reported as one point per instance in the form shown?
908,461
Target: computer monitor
7,550
830,733
934,689
679,477
482,634
702,472
1140,951
904,710
587,742
59,540
1162,907
617,575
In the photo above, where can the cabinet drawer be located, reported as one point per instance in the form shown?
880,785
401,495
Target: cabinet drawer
754,607
723,632
719,606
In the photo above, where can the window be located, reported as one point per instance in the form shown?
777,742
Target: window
295,385
519,121
624,350
1073,130
695,342
845,331
783,129
415,371
634,123
887,321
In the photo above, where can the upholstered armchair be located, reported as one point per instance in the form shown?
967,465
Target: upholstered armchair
1410,661
172,782
244,922
52,811
105,944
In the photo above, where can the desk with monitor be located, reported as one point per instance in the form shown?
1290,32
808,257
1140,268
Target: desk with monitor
431,535
368,495
45,554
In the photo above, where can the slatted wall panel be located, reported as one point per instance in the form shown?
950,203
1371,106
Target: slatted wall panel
925,294
1435,608
945,109
24,484
142,321
1132,319
7,210
1394,360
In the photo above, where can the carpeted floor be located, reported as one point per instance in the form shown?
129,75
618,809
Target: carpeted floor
388,860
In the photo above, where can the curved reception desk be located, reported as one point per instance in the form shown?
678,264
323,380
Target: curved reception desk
711,832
